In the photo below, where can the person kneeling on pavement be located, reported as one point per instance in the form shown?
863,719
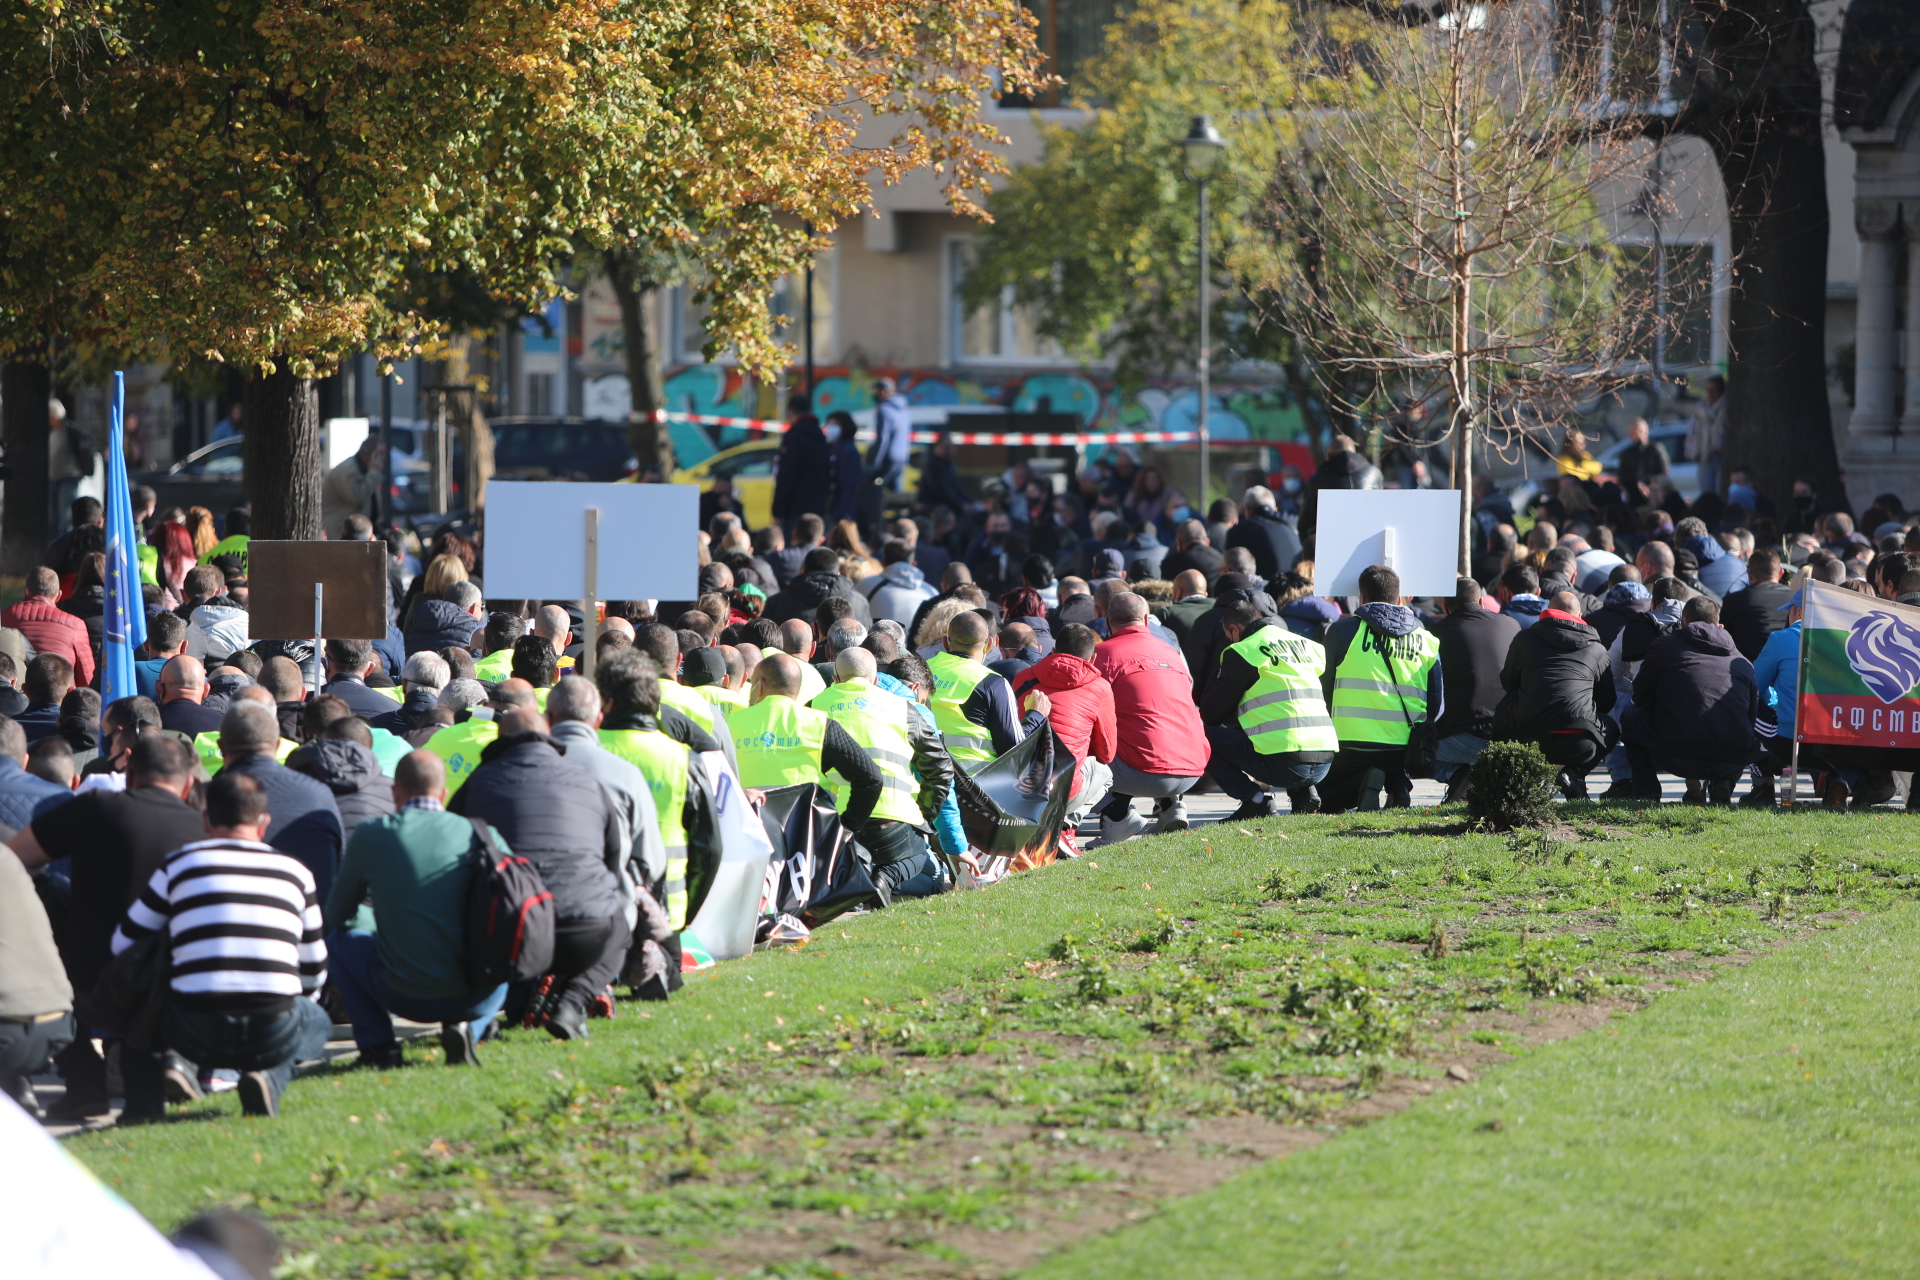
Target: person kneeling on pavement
1267,723
1559,688
1162,744
1694,703
1383,677
398,916
246,959
914,766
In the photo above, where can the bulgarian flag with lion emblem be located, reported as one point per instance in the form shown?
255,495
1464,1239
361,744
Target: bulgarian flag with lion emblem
1859,670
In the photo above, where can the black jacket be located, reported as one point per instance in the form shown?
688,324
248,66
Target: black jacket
403,719
1639,464
1229,685
1342,470
1608,620
360,699
1474,643
1274,543
1558,678
1699,694
89,604
349,771
803,481
438,624
1207,639
800,597
1199,556
553,813
1753,613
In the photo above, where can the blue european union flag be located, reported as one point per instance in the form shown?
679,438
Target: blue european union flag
124,626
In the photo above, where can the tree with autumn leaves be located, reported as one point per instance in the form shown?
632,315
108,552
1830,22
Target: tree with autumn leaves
255,181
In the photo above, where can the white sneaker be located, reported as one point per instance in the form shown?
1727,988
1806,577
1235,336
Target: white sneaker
1120,832
1171,818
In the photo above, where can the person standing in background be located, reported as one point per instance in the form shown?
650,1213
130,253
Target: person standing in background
1707,433
887,456
69,460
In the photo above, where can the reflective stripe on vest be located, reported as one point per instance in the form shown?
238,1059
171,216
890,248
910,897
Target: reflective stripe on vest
460,746
954,680
1381,686
777,743
1283,711
663,762
688,702
877,720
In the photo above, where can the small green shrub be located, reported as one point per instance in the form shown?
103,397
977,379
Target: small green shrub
1511,785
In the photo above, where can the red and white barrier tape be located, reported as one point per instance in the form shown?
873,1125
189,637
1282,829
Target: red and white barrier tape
776,426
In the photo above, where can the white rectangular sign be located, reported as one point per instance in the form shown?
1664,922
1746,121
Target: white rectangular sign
536,540
1414,532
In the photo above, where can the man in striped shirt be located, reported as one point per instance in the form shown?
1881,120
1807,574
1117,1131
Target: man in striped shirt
247,956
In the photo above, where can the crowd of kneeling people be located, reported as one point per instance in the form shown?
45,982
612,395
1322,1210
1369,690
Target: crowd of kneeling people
289,843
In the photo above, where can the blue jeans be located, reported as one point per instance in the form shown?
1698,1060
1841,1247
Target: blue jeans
271,1042
353,959
1455,752
1244,773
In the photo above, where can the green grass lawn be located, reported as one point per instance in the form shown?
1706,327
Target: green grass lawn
960,1086
1767,1124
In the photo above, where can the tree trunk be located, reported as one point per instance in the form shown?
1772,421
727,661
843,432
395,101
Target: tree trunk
283,456
1757,104
651,441
24,389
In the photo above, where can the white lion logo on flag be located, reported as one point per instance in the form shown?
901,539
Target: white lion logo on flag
1885,653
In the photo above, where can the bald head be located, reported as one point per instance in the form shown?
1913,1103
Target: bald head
183,678
513,693
853,664
1125,609
551,625
967,633
1190,582
778,673
419,773
281,677
796,637
254,693
1655,561
617,625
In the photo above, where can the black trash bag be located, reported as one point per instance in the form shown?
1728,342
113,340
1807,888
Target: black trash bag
1016,805
825,872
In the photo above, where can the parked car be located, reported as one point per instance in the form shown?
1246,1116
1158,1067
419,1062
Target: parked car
750,467
212,476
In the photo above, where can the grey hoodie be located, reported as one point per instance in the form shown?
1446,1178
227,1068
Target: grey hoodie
901,591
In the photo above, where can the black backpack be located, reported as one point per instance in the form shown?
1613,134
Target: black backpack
510,917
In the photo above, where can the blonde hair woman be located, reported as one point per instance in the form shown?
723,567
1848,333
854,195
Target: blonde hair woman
932,637
442,572
200,529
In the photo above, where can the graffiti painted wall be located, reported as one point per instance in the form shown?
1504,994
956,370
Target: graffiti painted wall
1239,412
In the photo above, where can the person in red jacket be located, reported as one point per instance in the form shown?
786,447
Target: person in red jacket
48,628
1163,746
1081,716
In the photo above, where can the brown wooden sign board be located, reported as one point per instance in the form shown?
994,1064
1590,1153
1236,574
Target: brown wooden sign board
353,576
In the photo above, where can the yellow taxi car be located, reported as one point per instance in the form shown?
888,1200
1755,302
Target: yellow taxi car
750,467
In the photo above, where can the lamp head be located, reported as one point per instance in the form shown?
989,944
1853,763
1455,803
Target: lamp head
1203,146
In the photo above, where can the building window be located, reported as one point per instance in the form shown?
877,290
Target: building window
540,395
1000,331
1681,279
1069,32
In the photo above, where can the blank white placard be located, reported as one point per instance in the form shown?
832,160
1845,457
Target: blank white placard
536,540
1353,536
